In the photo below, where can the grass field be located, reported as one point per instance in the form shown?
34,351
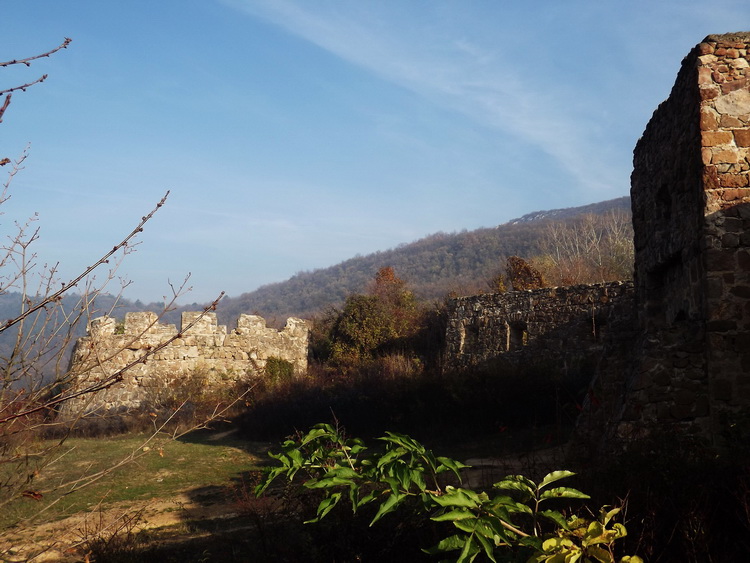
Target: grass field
158,468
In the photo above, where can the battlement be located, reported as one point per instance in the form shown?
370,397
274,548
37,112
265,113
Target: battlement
200,347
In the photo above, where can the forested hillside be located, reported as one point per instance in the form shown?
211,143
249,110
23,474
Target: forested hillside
435,266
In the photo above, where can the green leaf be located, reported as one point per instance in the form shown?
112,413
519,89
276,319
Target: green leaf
619,530
325,506
404,475
389,456
594,534
295,456
389,504
451,515
553,545
533,542
358,448
487,546
405,441
607,516
342,472
318,431
458,497
555,517
599,554
417,478
448,464
469,525
469,551
366,499
327,482
562,492
517,483
451,543
555,476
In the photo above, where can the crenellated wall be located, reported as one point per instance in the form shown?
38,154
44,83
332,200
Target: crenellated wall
205,350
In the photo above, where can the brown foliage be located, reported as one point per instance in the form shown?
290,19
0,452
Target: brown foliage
522,275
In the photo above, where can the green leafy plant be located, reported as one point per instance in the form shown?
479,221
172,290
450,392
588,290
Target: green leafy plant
279,370
517,520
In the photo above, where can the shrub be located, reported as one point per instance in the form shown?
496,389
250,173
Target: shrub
278,370
403,474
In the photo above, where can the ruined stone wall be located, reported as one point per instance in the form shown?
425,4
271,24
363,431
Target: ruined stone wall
557,324
690,192
679,361
205,355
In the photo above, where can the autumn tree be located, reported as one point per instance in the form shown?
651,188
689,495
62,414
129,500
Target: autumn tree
386,314
522,275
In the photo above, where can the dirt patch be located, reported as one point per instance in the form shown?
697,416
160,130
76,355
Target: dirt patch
64,540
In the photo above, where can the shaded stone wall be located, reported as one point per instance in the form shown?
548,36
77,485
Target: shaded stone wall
206,352
679,361
690,192
551,324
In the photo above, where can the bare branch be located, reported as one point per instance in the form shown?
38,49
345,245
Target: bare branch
66,287
116,376
2,112
23,87
27,61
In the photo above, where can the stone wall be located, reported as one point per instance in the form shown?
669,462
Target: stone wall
552,324
679,361
206,352
690,192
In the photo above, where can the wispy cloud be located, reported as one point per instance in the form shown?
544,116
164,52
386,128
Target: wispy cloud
429,57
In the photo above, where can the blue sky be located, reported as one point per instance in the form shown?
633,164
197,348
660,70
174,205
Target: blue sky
296,134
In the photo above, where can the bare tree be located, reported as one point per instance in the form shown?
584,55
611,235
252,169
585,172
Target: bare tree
592,249
34,343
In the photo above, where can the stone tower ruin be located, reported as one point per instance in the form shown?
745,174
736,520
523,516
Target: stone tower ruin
682,364
690,192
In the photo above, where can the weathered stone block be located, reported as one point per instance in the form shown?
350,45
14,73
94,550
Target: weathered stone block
741,137
719,260
716,138
721,390
734,181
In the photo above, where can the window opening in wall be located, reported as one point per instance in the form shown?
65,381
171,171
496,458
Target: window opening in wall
469,335
519,335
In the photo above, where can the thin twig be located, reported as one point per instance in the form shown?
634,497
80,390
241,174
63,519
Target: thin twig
116,376
103,260
27,61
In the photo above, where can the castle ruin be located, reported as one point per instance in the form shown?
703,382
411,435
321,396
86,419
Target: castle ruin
200,349
680,360
690,191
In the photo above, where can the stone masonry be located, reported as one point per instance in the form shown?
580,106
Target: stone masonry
558,324
205,351
690,192
680,361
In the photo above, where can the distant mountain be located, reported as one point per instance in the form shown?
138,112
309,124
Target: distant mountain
433,267
71,313
621,204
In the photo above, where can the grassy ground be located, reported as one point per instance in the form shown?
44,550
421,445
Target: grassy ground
198,463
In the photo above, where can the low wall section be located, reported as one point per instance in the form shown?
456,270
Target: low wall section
551,323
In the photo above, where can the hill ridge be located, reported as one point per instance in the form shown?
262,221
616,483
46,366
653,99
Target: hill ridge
433,266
